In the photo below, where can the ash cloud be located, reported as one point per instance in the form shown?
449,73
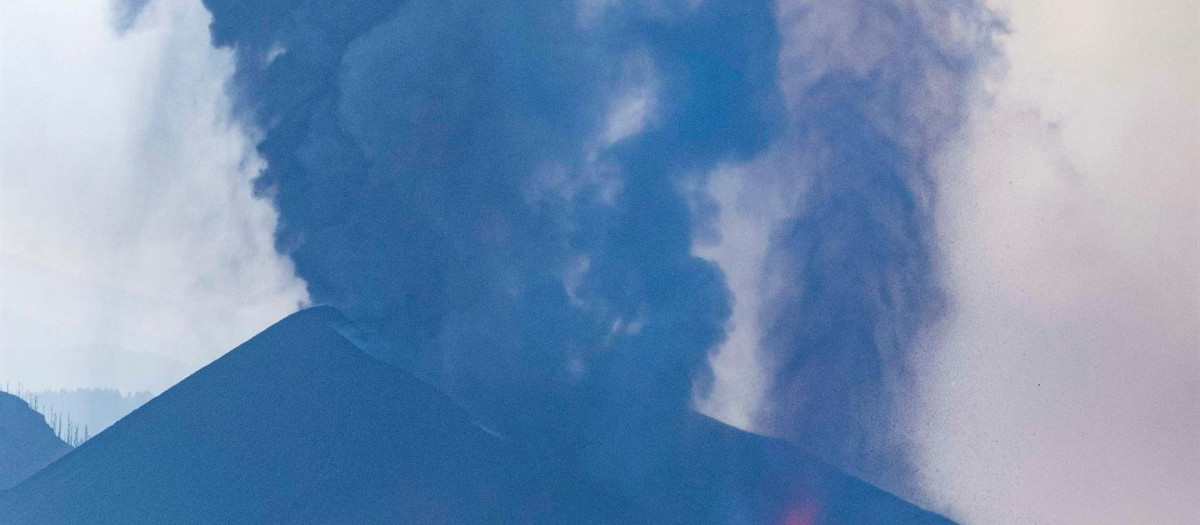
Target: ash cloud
491,191
498,195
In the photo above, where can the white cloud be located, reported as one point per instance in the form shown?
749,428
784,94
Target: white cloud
132,249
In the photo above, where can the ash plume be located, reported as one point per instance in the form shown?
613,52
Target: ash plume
491,190
874,89
494,192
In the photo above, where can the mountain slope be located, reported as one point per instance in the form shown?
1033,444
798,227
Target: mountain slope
298,425
748,478
27,443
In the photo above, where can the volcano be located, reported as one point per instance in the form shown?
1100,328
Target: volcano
298,425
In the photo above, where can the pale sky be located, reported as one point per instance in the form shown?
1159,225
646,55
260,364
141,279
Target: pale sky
1068,389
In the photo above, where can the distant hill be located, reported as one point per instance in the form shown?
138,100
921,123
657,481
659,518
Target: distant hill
298,425
27,443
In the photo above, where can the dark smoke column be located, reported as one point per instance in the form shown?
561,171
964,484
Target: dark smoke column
491,190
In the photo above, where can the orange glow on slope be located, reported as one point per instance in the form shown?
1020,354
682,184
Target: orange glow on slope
802,514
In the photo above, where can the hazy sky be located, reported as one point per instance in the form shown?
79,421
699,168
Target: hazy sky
1067,378
131,251
1069,382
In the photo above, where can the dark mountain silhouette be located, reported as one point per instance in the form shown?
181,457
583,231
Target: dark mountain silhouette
27,443
298,425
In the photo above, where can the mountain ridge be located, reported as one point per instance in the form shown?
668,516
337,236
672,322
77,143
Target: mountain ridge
299,425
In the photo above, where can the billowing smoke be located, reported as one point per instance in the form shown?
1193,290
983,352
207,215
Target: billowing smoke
874,89
500,194
491,190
